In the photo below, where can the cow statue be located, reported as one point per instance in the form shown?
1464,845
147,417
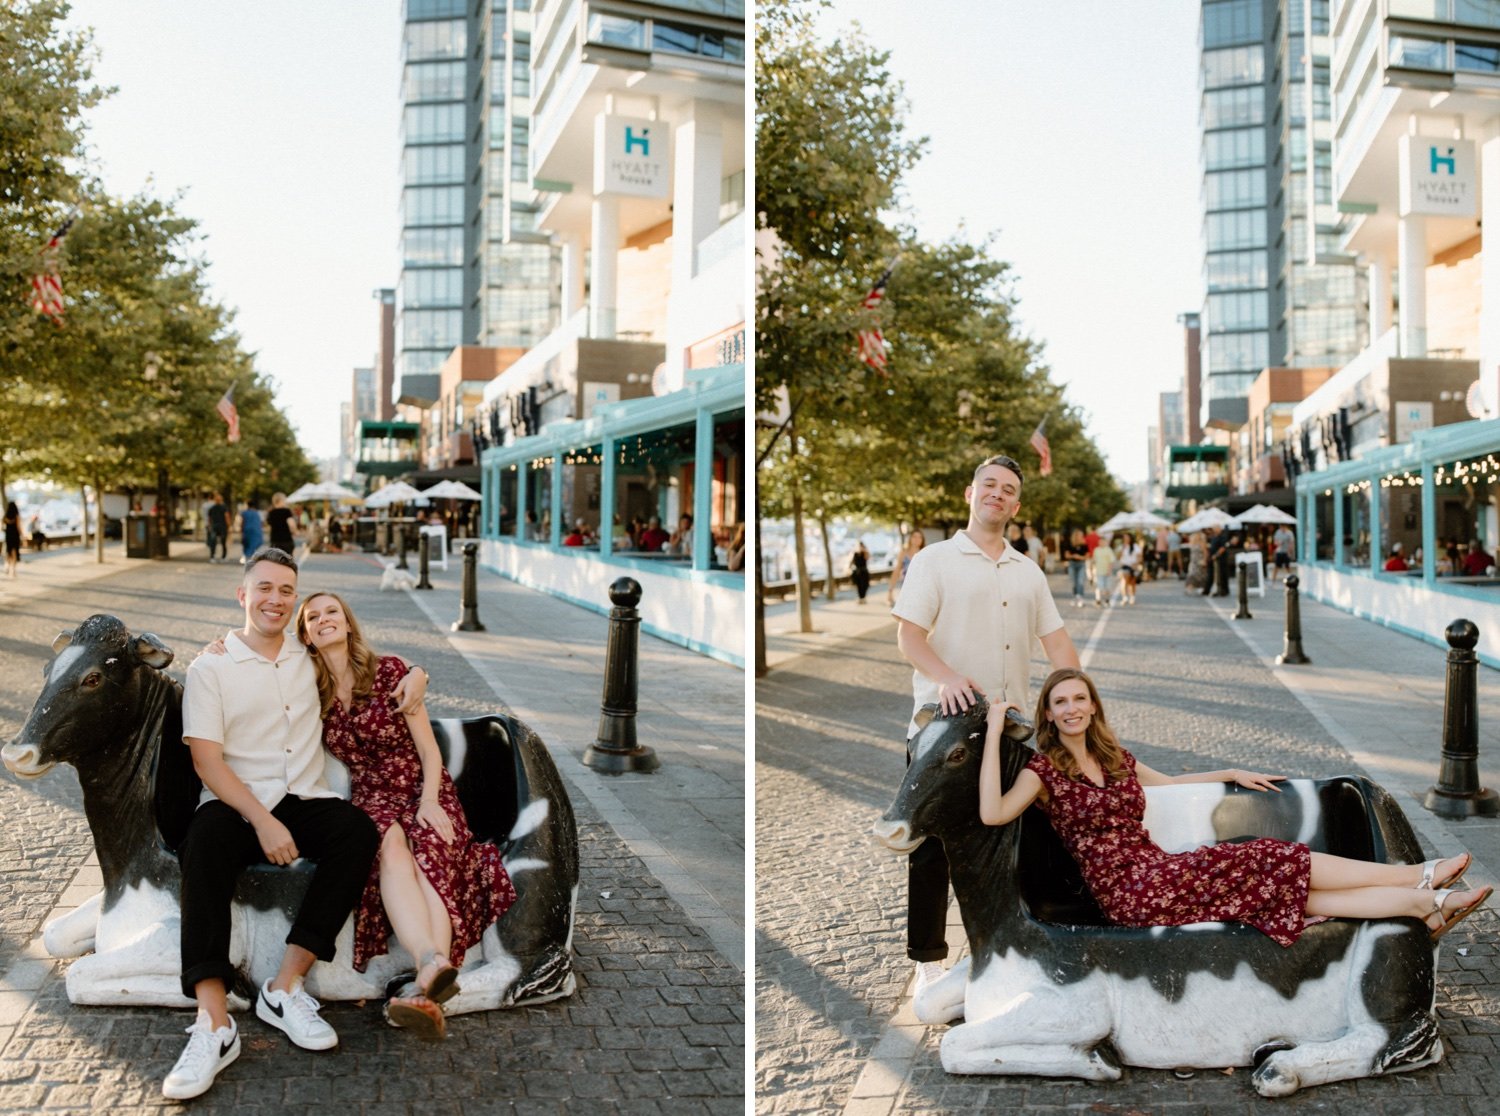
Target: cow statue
1052,988
107,708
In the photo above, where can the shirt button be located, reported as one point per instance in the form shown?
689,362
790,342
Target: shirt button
1004,604
1007,647
288,708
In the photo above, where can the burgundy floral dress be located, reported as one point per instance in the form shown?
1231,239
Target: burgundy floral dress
385,770
1262,882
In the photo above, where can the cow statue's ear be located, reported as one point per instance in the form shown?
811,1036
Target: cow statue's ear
62,640
152,651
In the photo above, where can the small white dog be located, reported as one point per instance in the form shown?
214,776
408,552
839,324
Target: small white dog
394,579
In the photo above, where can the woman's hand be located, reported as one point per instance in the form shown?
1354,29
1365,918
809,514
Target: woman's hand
996,714
436,818
1250,780
410,691
215,648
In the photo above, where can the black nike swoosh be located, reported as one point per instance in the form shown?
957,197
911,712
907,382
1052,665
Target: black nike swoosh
225,1048
275,1007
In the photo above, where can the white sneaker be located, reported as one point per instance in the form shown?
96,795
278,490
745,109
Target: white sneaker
296,1013
928,973
208,1051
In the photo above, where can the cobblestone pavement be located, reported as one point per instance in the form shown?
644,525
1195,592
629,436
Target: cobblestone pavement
657,1024
1184,693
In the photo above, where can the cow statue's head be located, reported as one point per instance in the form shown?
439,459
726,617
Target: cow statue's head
940,792
91,687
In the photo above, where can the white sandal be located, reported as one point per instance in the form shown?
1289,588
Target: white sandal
1450,921
1429,869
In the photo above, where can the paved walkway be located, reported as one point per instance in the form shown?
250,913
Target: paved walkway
658,1022
1188,689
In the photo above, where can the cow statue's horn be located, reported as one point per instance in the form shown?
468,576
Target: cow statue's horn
63,639
152,651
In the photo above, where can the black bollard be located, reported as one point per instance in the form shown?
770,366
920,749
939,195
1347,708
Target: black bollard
1458,793
616,751
424,546
1291,649
1242,577
401,562
469,621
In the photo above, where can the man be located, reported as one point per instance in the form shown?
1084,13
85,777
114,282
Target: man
970,609
218,529
653,537
1477,561
1283,544
1174,553
682,539
1218,565
252,719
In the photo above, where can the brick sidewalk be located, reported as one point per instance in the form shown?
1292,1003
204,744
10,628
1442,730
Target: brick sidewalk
657,1025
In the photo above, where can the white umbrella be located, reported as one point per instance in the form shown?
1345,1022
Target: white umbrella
1141,520
398,492
329,490
306,492
1265,513
451,490
1208,517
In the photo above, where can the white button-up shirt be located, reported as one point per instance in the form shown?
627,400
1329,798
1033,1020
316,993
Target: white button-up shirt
264,714
982,616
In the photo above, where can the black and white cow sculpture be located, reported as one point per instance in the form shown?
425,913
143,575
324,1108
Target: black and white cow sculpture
107,709
1051,988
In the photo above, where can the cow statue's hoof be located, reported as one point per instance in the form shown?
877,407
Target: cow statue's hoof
1273,1079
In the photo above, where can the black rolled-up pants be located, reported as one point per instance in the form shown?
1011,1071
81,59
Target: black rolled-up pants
926,898
220,844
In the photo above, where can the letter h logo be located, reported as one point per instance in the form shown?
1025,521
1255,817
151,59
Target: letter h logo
1436,160
644,141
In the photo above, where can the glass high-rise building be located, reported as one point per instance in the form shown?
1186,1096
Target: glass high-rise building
473,269
1270,298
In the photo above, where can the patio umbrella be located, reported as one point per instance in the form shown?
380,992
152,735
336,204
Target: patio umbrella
398,492
1112,524
1265,513
451,490
1141,520
304,493
329,490
1208,517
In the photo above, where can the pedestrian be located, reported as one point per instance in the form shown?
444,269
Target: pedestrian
38,536
433,885
1162,550
1076,554
1130,559
1174,553
1103,561
218,529
1218,565
915,542
971,609
1283,547
252,536
1090,788
734,558
12,539
859,569
281,524
1035,548
250,717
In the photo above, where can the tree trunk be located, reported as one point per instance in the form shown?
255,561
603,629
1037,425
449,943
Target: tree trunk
760,603
83,515
831,587
804,591
99,520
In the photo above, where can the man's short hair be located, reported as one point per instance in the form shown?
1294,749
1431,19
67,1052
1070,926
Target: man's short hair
1004,462
270,554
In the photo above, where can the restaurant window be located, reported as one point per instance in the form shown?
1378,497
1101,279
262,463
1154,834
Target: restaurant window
538,526
581,471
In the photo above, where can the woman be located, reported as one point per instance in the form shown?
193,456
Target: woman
859,567
12,538
1089,787
1197,574
1130,557
914,542
432,884
735,556
1076,555
1103,560
280,523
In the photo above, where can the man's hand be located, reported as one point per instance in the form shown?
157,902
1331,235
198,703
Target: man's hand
956,693
410,691
276,841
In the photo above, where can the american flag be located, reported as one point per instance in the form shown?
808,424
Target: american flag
46,285
1039,443
871,341
230,414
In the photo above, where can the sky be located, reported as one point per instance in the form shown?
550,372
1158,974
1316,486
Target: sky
277,124
1069,129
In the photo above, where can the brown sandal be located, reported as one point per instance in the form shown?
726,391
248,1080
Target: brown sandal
419,1015
444,983
1461,913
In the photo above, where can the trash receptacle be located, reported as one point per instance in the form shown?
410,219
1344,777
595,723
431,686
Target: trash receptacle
138,533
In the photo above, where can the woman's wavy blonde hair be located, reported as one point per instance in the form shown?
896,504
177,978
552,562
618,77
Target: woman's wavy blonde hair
1099,737
361,656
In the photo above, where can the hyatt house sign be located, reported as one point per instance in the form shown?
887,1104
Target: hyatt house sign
631,156
1437,177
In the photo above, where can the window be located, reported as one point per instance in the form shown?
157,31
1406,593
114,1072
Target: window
1233,21
1233,353
433,124
1240,228
446,39
433,81
678,38
617,31
1245,65
428,247
426,166
1245,310
1481,58
1233,108
433,205
1235,270
432,287
435,329
431,9
1477,13
1240,147
1234,189
1413,53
